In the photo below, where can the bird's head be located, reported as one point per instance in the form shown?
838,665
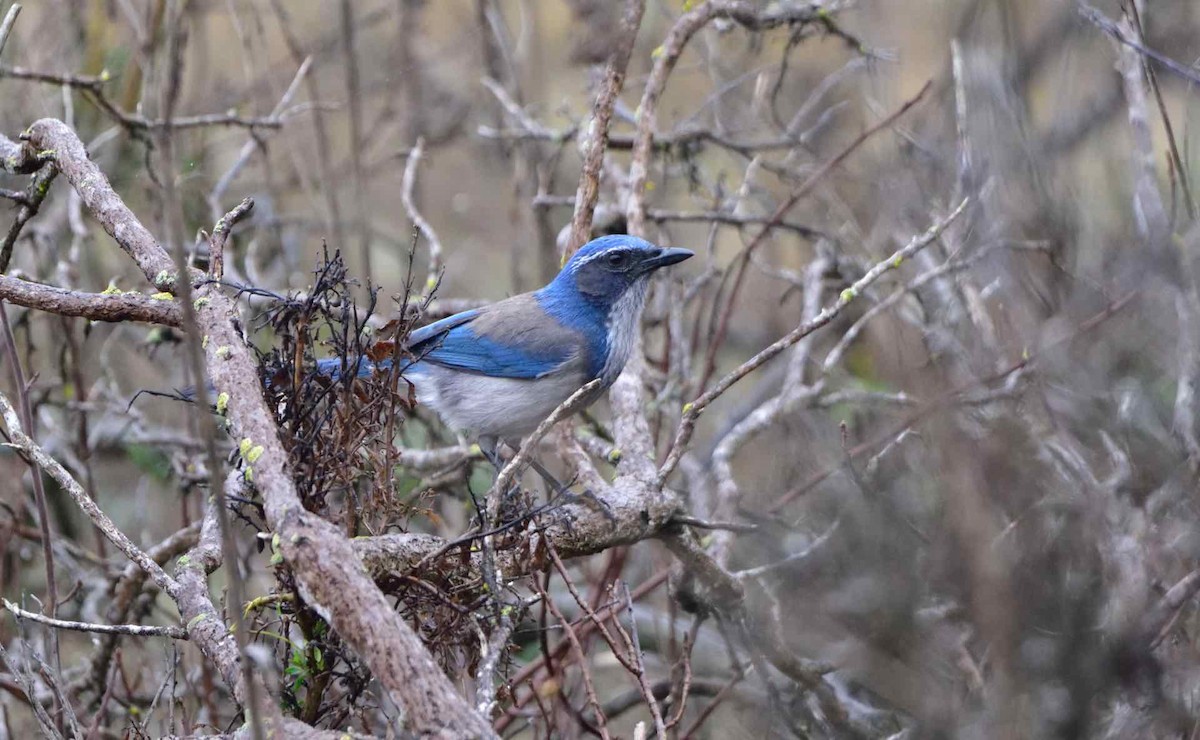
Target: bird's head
604,269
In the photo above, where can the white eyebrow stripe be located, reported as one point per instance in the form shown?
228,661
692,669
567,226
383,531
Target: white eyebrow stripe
598,255
588,259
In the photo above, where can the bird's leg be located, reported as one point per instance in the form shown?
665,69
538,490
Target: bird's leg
490,447
491,451
493,456
562,490
555,484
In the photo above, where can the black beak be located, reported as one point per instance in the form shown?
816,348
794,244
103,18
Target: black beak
666,257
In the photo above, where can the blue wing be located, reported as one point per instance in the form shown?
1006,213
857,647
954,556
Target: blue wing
332,366
457,342
498,341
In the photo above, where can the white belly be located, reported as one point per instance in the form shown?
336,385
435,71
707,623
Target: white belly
483,406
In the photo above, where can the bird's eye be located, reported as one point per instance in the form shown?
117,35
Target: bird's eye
617,259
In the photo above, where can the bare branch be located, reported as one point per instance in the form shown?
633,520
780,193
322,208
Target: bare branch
693,410
116,306
39,187
220,236
581,657
328,574
596,140
132,630
23,679
58,141
94,86
744,13
20,441
6,26
574,402
216,196
414,215
1124,36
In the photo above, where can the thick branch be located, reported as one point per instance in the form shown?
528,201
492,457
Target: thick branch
53,138
115,307
576,529
204,623
329,575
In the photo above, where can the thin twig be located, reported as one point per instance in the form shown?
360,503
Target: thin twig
588,611
220,236
1172,145
1149,210
325,168
216,196
1113,29
687,25
93,86
132,630
597,135
662,215
793,198
6,26
635,649
568,407
193,340
581,657
23,678
692,521
105,698
39,490
21,441
408,184
541,662
354,104
39,188
693,410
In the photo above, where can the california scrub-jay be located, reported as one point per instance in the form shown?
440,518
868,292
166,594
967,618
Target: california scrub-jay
494,373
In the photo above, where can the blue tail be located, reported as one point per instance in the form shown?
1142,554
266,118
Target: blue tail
332,366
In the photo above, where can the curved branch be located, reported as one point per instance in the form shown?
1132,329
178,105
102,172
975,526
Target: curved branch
688,24
575,529
54,139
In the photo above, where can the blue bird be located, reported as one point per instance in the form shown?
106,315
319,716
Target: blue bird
496,372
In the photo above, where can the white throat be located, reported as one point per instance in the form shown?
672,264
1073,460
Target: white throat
624,322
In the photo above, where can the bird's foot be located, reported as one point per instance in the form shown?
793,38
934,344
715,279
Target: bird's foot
588,498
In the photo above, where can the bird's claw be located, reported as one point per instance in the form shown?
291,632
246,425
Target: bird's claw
589,498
